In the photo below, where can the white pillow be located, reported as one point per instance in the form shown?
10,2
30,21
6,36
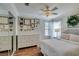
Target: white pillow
74,37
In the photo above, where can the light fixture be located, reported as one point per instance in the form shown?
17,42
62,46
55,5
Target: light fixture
47,11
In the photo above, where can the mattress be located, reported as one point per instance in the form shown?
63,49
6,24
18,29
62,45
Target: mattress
53,47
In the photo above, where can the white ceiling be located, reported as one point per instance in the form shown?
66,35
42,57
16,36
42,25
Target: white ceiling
3,10
33,10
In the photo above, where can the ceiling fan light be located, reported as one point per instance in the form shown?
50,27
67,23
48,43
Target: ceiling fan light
48,11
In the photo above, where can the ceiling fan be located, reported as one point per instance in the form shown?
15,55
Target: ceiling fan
47,11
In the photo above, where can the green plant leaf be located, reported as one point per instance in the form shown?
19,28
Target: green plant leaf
73,20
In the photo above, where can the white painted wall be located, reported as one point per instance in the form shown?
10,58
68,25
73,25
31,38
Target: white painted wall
64,27
42,29
3,12
28,38
11,8
33,36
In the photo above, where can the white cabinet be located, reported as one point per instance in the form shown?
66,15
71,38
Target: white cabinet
5,43
27,40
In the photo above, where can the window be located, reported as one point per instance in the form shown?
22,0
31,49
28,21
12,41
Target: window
57,29
46,28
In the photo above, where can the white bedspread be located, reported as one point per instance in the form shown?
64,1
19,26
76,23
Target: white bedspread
53,47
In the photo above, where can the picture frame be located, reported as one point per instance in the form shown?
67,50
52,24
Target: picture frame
28,28
6,26
32,20
1,26
24,27
26,22
33,23
5,20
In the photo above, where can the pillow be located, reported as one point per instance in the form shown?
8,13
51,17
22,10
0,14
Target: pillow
65,36
74,37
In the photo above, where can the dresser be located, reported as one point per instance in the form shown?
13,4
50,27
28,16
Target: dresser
28,40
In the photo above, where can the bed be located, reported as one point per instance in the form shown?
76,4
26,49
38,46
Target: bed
54,47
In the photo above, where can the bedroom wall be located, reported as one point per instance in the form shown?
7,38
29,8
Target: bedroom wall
64,26
4,12
34,35
65,29
9,7
12,9
28,38
5,37
63,18
42,29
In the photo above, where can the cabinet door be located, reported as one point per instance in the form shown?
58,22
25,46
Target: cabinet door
5,43
21,42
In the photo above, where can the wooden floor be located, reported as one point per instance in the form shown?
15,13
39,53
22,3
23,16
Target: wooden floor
32,51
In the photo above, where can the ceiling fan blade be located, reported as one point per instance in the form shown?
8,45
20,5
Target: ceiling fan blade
44,10
55,13
55,8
